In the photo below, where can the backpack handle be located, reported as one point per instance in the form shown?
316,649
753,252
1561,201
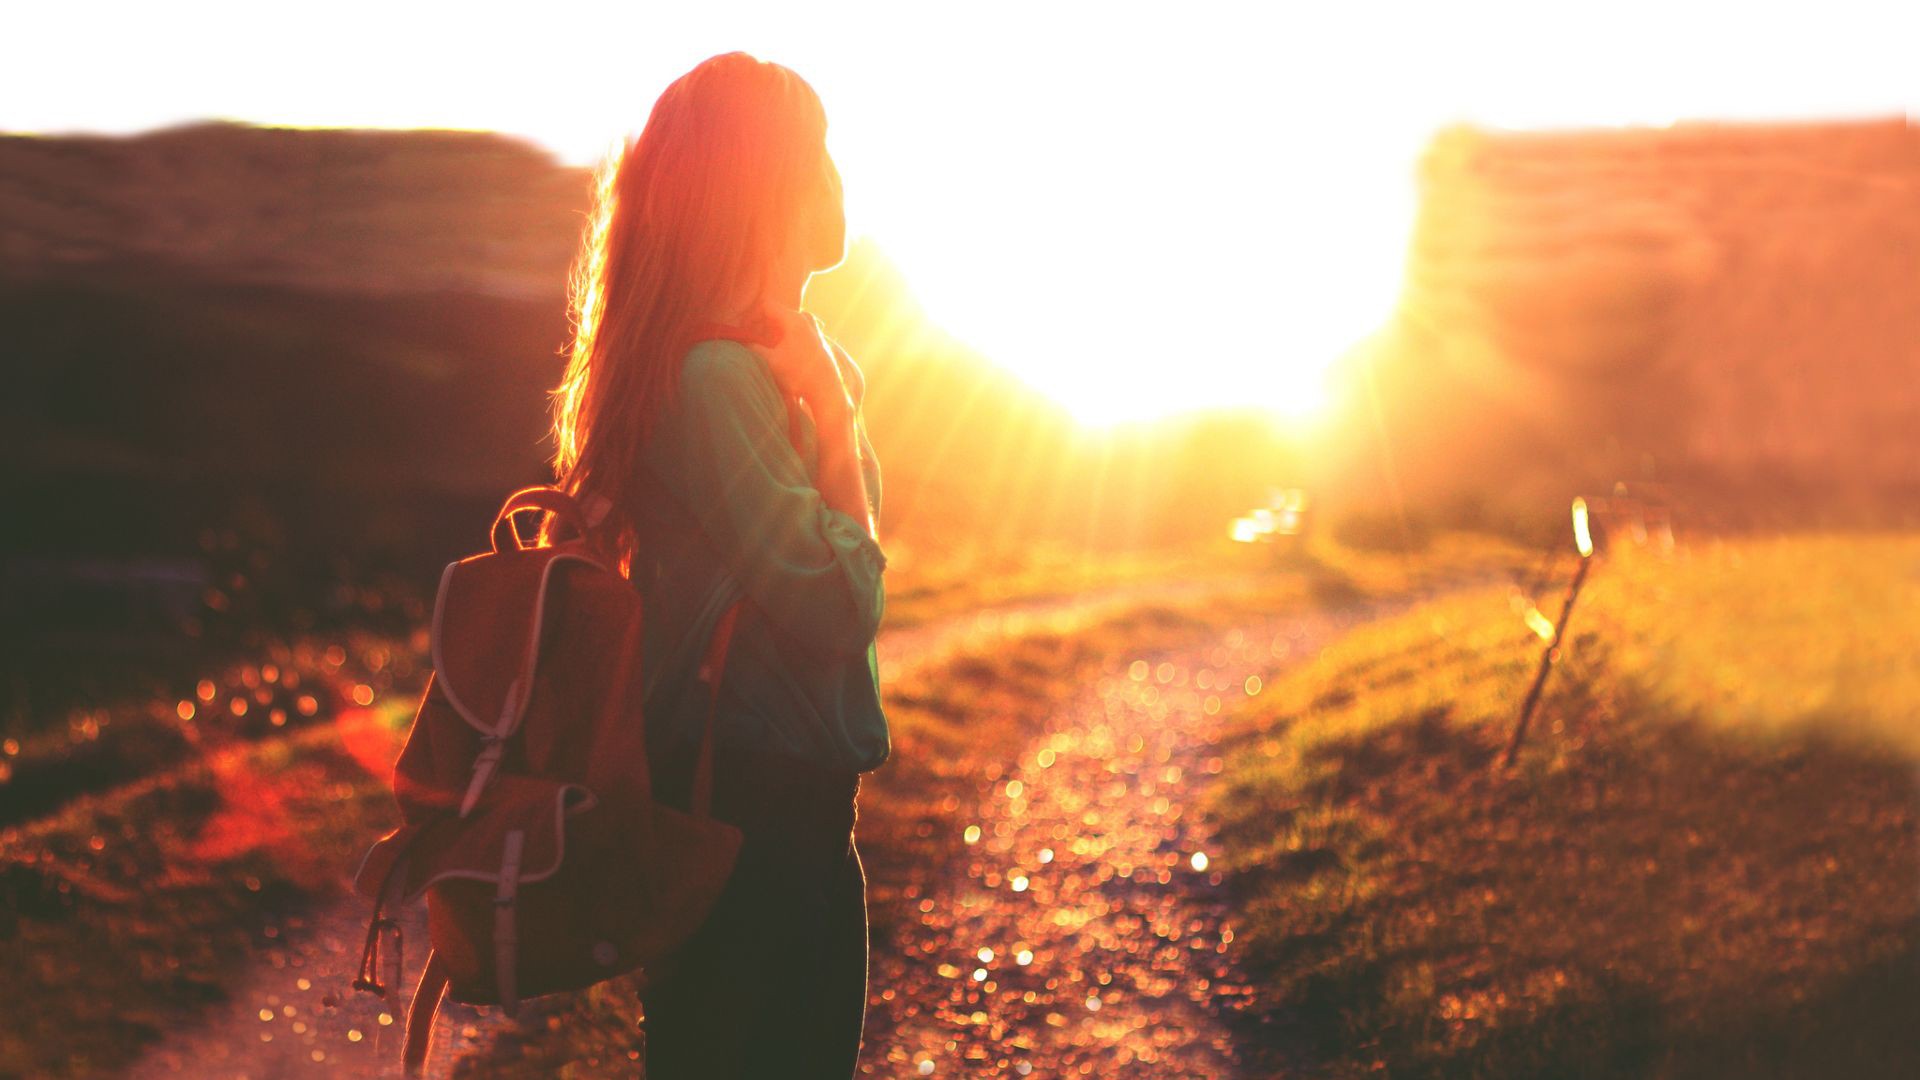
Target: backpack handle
550,499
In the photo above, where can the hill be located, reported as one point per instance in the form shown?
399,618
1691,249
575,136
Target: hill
370,212
1734,310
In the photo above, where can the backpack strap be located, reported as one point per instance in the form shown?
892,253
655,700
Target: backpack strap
550,499
506,935
383,927
422,1012
711,670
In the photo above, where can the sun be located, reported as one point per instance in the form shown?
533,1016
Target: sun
1131,287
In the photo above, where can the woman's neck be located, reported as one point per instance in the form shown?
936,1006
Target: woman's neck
782,290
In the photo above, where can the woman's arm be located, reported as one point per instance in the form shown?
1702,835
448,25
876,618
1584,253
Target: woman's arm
843,484
802,547
856,383
808,365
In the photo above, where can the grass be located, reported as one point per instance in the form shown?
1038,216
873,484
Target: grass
1706,862
126,913
922,591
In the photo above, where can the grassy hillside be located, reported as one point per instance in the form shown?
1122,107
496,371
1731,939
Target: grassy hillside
1733,308
1704,863
318,209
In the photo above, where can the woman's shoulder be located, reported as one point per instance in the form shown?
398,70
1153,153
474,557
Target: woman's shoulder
725,366
728,382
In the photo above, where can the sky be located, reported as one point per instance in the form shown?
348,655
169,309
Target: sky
1140,208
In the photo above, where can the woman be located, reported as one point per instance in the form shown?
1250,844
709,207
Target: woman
740,469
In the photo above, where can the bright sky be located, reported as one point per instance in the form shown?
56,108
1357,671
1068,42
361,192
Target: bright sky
1139,211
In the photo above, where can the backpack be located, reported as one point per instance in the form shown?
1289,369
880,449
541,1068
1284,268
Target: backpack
529,821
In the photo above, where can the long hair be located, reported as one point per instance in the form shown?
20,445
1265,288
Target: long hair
706,198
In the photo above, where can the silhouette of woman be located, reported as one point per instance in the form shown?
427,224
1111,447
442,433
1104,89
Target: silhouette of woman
725,428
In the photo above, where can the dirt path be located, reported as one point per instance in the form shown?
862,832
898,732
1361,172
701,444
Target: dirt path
1064,917
295,1013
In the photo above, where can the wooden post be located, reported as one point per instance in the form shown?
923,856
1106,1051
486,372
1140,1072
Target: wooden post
1583,538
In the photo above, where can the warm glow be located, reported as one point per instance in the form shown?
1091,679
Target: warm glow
1140,213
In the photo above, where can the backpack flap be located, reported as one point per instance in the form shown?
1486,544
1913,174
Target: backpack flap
407,860
489,620
487,623
515,836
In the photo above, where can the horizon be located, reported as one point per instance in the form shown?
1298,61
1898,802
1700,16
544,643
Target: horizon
1108,161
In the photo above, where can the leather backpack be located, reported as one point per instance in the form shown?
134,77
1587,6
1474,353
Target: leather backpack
529,821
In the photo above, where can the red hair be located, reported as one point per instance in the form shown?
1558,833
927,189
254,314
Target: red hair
705,199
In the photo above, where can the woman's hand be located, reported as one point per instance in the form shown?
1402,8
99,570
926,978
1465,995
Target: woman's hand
804,364
809,367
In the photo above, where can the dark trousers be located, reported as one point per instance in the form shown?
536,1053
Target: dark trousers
774,985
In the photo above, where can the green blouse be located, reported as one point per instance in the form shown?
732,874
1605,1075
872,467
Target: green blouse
740,513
